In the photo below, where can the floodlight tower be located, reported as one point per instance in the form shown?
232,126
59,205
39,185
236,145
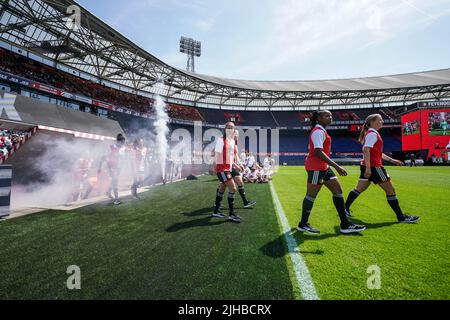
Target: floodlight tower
193,49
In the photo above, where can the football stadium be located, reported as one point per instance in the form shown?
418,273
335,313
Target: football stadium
125,177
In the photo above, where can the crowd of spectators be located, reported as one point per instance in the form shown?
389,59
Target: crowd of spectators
39,72
184,113
35,71
8,140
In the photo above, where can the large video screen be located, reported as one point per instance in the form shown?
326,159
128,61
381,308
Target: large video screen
435,134
411,127
411,133
439,124
426,130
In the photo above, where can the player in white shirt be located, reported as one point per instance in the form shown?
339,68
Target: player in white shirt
243,158
236,173
267,169
254,174
251,160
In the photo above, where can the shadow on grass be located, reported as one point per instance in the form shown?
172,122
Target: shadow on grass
203,222
278,248
373,225
199,212
209,211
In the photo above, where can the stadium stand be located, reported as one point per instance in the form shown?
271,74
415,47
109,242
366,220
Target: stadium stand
285,118
292,119
21,66
9,141
184,113
32,70
293,143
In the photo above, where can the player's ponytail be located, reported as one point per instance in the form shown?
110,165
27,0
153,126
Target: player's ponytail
363,132
367,125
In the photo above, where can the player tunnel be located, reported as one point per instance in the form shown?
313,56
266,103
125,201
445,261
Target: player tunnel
54,142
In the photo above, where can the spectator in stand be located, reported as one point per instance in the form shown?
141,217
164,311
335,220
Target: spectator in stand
9,140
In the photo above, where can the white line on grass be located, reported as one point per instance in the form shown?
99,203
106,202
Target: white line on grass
302,274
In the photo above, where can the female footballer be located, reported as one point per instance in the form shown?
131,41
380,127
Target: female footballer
372,169
318,165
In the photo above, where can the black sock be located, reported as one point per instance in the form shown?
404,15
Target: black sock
219,197
395,205
339,203
308,204
351,197
231,202
243,195
134,189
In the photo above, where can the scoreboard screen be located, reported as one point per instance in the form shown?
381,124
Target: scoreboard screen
426,130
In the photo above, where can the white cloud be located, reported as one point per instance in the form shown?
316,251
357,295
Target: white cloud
205,24
175,59
302,29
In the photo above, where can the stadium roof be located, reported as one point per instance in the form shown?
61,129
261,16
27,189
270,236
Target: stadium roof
419,79
46,29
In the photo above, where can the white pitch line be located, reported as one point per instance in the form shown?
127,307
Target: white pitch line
302,274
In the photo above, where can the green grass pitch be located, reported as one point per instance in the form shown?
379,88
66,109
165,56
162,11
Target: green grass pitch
414,259
167,247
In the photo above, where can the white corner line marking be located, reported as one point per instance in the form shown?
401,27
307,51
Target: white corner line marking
302,274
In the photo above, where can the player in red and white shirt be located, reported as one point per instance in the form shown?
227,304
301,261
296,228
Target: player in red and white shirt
139,165
224,152
113,160
372,169
318,165
82,187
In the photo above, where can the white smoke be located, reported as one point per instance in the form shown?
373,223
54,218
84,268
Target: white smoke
51,180
54,170
46,175
161,130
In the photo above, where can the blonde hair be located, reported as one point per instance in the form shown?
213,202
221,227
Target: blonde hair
367,126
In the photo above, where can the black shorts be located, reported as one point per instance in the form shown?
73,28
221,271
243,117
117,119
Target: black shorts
224,177
320,177
379,175
235,173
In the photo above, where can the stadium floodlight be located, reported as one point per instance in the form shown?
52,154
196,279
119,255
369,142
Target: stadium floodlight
193,49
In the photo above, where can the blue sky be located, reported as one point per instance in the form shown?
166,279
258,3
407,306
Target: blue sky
289,39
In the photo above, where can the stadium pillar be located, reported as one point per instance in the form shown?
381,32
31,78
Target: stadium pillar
5,190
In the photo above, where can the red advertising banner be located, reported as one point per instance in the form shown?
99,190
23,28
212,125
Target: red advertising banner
102,105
